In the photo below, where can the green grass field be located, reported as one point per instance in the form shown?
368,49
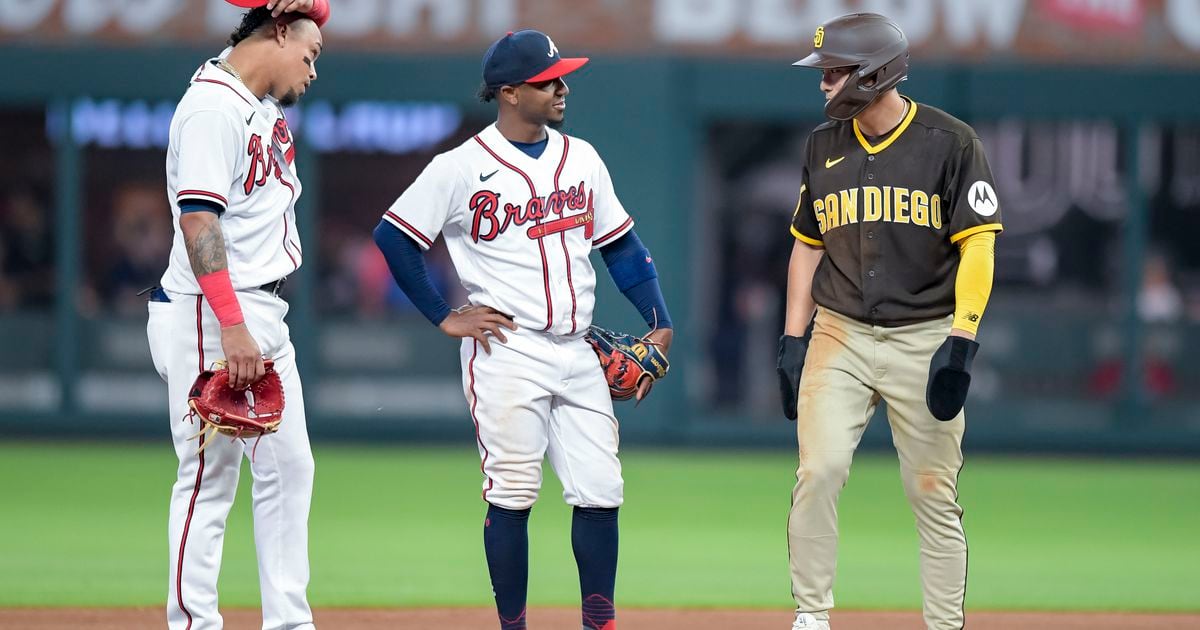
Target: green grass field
85,525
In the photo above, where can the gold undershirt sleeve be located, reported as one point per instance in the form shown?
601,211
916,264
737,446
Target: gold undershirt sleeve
973,284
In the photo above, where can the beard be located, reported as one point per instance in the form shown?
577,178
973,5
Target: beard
556,124
289,99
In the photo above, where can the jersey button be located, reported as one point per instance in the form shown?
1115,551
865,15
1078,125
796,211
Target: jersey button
870,235
871,273
870,175
870,158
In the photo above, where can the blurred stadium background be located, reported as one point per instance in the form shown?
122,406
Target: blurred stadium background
1089,109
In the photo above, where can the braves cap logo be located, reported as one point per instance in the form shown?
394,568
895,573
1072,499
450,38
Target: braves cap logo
527,56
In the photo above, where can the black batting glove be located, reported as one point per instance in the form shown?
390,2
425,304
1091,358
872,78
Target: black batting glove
950,377
792,351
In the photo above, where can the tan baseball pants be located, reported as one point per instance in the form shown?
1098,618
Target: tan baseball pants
849,368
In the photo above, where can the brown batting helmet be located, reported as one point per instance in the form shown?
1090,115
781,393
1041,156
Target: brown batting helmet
870,43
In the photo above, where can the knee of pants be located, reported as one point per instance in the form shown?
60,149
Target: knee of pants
931,491
303,468
512,489
824,470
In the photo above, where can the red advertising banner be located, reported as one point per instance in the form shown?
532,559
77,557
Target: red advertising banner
1049,31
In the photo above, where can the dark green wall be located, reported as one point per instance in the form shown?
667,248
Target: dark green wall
647,117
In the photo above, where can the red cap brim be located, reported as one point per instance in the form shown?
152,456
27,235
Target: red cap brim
248,4
560,69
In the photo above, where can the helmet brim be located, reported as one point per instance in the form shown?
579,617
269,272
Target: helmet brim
825,60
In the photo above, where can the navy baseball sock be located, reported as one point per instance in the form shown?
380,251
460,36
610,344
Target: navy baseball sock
506,542
594,539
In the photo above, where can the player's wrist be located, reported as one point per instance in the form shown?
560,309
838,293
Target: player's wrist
959,332
218,290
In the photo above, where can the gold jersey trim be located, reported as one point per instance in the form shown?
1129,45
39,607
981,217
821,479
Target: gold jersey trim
806,240
873,149
986,227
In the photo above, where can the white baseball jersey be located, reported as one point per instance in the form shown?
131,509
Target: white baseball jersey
228,147
519,230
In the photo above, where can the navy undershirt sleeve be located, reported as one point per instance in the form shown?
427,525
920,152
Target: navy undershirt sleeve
407,263
632,269
200,205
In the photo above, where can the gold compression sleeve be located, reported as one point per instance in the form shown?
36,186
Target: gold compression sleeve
973,284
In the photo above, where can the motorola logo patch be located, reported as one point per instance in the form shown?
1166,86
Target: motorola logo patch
982,199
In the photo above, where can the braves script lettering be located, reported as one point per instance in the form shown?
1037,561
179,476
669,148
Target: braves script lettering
262,163
490,221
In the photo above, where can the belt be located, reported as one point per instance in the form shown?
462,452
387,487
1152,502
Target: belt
158,295
274,287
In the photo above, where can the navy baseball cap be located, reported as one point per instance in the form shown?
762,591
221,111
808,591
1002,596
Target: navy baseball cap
526,57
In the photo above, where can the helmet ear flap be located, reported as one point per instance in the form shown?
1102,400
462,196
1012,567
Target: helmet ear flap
861,91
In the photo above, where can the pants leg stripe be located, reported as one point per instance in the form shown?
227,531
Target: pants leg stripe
187,523
475,419
962,604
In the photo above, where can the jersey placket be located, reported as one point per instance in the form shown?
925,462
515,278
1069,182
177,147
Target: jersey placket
870,237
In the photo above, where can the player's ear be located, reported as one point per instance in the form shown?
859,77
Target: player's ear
281,32
509,94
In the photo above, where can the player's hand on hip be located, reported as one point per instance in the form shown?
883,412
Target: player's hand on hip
243,356
792,351
950,376
279,7
478,322
660,337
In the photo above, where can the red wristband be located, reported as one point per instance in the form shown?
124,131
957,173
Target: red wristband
218,290
319,12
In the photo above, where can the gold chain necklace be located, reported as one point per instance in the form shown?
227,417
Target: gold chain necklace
228,67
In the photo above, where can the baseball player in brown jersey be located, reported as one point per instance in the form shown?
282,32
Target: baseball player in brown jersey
895,233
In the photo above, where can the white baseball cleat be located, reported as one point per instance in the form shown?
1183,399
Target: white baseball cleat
805,621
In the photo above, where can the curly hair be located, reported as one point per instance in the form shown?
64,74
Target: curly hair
486,94
255,20
252,20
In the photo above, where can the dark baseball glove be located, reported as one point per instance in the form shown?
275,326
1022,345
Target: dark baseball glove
950,377
626,360
251,412
792,351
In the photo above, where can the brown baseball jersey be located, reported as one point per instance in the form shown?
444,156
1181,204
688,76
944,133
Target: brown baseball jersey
889,212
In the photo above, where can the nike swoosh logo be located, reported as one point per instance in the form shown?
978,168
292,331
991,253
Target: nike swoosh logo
484,178
250,117
832,163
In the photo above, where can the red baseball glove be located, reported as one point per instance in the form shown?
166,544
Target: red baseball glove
251,412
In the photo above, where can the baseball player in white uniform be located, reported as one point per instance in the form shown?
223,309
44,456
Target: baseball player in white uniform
521,206
232,184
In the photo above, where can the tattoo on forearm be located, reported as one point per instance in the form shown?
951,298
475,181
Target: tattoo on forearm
206,251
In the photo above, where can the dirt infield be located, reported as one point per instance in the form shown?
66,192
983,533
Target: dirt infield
561,618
